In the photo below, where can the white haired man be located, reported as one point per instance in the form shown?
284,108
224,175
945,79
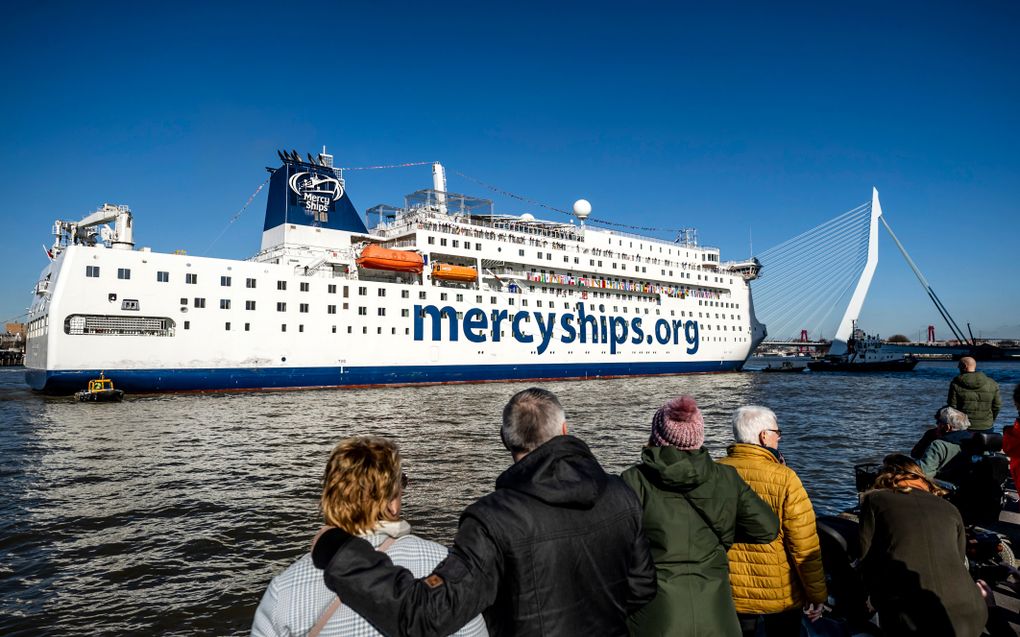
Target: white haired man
938,450
774,583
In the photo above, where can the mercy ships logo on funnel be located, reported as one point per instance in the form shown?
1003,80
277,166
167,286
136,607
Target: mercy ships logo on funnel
317,193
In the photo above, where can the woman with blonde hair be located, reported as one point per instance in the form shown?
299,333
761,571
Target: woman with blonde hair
363,486
913,556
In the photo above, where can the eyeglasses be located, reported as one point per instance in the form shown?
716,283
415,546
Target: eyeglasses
778,432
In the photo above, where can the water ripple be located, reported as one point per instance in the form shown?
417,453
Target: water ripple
169,514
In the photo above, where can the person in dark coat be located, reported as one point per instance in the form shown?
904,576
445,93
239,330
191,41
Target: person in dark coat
976,395
694,510
556,549
913,556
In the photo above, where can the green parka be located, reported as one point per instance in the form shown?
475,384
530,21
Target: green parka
976,395
694,510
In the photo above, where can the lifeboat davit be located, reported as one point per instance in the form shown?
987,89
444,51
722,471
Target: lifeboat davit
447,272
377,257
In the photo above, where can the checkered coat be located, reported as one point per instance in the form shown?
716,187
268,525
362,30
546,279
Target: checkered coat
297,597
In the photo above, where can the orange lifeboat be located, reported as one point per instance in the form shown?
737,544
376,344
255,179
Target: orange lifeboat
377,257
447,272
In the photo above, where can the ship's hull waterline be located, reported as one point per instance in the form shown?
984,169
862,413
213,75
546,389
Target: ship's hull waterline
211,380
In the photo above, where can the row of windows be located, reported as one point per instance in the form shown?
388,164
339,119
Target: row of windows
191,278
92,271
566,259
162,276
456,243
281,306
527,317
364,330
592,262
683,275
199,302
301,328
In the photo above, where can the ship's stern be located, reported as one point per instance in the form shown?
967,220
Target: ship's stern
38,350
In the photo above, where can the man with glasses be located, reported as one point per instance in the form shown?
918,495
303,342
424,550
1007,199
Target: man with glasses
556,549
774,583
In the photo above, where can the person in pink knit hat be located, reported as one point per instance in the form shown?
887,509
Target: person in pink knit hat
694,510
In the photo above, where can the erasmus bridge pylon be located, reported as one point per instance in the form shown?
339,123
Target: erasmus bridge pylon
818,280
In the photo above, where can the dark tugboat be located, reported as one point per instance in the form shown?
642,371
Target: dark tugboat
100,390
864,354
786,366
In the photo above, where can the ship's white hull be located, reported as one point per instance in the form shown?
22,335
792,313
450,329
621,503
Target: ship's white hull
330,341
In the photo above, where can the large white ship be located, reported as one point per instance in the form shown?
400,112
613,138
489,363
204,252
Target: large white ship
440,290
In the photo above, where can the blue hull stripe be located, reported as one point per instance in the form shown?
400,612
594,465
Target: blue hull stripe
214,379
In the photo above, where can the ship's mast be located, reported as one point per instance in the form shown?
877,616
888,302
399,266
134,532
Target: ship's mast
439,185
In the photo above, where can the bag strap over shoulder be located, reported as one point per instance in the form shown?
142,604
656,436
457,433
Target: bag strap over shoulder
654,478
335,605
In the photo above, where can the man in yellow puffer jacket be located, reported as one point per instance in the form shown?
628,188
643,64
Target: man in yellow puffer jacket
784,579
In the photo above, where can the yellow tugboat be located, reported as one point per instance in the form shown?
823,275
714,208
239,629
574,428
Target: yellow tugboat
100,390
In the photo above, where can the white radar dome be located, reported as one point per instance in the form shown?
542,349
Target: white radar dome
582,209
527,216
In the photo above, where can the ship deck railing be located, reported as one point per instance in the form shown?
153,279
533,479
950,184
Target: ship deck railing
438,222
690,245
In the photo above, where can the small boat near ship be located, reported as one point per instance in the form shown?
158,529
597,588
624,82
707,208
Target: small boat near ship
864,353
785,367
100,390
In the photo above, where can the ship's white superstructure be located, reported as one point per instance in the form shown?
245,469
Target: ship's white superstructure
492,297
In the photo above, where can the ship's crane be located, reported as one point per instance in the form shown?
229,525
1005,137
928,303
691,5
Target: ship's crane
93,228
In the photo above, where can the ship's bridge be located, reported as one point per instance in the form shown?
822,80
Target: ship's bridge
428,200
437,207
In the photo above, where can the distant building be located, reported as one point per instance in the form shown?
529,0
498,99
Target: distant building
12,345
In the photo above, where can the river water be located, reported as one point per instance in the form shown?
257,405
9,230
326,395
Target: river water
170,514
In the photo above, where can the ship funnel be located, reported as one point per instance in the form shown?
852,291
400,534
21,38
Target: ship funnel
439,185
310,194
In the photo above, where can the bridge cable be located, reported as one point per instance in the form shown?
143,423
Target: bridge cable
806,278
927,288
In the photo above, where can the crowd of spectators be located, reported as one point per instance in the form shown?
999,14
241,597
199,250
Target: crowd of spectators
679,544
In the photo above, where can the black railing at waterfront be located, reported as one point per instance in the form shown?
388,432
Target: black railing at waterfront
11,357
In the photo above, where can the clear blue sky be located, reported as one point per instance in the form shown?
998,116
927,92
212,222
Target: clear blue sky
724,116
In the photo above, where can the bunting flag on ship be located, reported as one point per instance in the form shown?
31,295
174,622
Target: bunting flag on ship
238,214
630,286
